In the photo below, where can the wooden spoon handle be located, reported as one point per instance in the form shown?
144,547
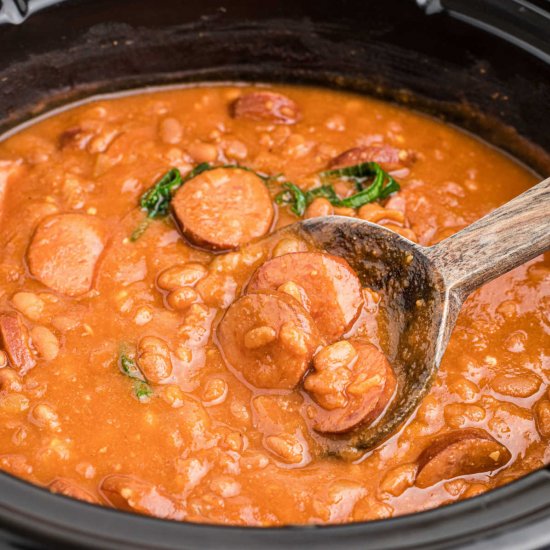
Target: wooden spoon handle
506,238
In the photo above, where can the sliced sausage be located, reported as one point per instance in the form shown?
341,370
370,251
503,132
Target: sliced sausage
333,289
15,340
459,453
69,488
388,157
352,384
224,208
64,251
269,338
128,493
266,106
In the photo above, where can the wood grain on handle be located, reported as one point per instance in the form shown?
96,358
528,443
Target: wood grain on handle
506,238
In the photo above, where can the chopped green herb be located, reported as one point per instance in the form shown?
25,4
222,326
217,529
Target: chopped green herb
325,191
140,229
383,184
293,196
142,391
156,200
381,187
128,366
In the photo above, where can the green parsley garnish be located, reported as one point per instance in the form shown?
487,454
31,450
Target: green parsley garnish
370,181
128,366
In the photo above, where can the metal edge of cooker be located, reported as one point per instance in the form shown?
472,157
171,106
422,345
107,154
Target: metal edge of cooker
495,85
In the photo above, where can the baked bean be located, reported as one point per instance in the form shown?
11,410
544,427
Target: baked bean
335,356
399,479
297,292
279,363
459,414
178,276
266,106
154,367
375,213
29,304
152,344
464,388
352,383
331,285
287,447
403,231
171,130
293,339
217,289
344,211
226,487
45,416
193,422
197,324
3,359
45,342
259,336
173,395
203,152
69,488
15,341
215,391
459,453
236,150
101,142
10,380
319,207
288,246
143,315
154,359
542,417
516,385
297,146
181,298
223,208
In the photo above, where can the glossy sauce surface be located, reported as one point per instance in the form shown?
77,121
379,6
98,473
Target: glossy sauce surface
206,440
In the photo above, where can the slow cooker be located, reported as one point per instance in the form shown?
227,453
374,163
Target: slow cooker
483,65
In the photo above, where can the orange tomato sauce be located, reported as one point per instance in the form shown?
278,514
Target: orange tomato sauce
189,437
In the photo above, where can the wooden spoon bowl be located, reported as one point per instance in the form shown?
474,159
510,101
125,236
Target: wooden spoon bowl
423,288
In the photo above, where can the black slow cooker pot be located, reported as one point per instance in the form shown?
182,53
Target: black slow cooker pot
481,64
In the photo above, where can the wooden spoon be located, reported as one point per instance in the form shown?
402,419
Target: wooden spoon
423,288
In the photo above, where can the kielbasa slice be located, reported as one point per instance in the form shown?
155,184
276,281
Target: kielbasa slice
266,106
352,383
64,251
269,338
15,340
69,488
223,208
134,495
333,288
459,453
388,157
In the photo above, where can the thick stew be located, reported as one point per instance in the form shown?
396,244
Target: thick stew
163,352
